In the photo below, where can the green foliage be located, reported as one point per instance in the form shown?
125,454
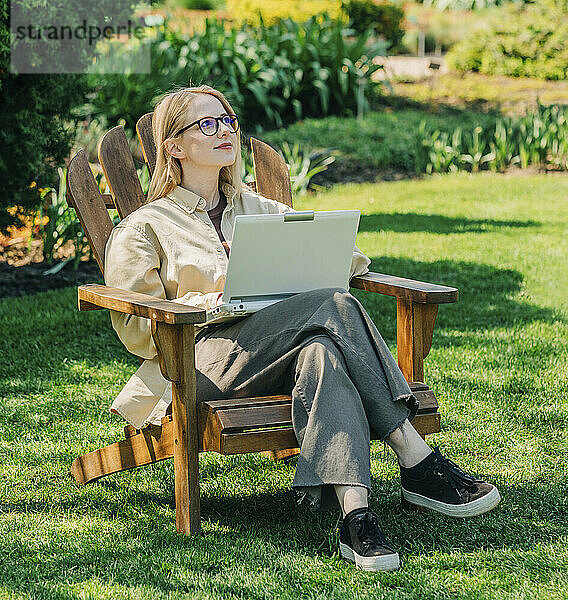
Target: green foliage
385,19
303,166
198,4
525,41
62,225
540,138
34,137
271,74
382,141
36,120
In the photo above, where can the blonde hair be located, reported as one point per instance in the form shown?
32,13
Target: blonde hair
169,116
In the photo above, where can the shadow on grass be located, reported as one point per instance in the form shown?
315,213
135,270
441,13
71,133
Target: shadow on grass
438,224
273,517
488,299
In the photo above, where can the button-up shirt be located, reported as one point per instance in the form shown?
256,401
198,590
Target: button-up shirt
170,249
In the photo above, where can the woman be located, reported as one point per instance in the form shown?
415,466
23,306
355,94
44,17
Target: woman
319,346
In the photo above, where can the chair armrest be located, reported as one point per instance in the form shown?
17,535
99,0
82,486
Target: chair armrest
408,289
93,296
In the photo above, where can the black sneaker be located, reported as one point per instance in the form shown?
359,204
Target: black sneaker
361,541
439,484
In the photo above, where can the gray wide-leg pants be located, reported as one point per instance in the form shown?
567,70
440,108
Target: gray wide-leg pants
322,348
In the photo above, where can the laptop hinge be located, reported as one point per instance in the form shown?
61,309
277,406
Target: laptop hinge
301,215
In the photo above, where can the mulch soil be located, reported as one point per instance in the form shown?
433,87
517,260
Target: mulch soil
22,270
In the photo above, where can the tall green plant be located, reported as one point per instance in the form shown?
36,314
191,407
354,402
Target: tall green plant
272,74
61,227
539,138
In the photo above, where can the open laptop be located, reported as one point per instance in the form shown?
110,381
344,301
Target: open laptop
273,257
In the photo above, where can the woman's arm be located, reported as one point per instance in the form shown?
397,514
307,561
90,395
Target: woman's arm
133,263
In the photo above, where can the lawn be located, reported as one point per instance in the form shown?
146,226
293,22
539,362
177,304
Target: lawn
499,366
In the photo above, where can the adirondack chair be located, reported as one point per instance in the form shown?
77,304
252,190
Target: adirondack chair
228,426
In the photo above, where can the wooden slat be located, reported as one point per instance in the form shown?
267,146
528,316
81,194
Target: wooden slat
270,173
151,445
265,416
120,173
246,402
283,439
84,196
408,289
93,296
256,441
427,424
238,419
428,402
146,138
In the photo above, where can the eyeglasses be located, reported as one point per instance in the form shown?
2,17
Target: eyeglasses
210,125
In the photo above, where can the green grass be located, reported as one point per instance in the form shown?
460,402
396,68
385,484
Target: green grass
499,367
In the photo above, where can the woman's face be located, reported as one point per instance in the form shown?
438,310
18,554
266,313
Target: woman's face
218,150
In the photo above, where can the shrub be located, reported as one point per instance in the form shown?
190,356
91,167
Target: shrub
526,41
272,11
197,4
272,74
35,135
385,19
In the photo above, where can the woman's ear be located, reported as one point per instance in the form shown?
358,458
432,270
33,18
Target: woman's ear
174,149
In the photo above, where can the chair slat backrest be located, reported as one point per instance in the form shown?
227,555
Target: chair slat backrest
146,137
84,196
272,178
120,173
271,173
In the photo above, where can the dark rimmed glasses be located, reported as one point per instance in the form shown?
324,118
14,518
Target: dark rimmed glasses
210,125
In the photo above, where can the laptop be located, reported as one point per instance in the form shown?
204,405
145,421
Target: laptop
274,256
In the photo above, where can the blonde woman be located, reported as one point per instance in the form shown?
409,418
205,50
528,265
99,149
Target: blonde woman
319,346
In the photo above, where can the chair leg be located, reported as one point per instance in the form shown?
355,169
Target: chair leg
186,462
176,355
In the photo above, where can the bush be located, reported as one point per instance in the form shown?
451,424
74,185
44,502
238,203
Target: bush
271,74
385,19
199,4
526,41
36,120
273,11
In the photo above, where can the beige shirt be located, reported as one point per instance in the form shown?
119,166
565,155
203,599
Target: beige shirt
170,249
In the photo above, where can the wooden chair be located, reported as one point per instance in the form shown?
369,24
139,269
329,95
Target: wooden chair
233,426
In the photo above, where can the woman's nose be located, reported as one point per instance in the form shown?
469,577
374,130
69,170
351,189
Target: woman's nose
223,129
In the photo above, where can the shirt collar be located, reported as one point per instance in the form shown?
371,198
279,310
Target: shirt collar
186,199
189,200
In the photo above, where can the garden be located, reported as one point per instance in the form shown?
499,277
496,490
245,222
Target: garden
460,177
